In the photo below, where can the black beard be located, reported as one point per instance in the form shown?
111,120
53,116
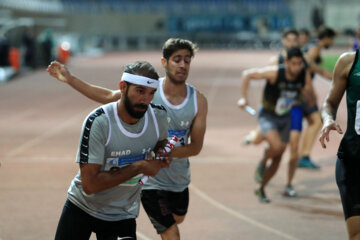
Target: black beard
130,108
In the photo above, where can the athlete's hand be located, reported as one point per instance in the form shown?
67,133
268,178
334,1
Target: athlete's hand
325,131
59,71
242,102
151,166
165,157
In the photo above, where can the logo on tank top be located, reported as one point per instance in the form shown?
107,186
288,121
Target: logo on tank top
184,123
120,153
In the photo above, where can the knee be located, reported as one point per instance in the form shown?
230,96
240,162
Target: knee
179,219
355,236
172,233
353,227
294,151
315,120
278,150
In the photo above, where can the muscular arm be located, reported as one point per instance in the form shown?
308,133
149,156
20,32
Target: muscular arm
94,180
197,131
315,68
96,93
336,92
269,73
274,61
314,52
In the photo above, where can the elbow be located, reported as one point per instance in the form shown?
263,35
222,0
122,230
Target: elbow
106,101
88,188
197,150
111,97
103,99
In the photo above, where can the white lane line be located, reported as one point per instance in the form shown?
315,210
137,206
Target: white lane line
140,235
239,215
43,136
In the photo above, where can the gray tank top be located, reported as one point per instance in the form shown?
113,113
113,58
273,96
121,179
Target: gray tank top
180,118
108,141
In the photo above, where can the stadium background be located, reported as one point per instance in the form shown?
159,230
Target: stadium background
94,27
41,118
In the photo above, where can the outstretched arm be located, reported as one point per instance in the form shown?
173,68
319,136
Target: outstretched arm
269,73
336,92
96,93
316,68
197,131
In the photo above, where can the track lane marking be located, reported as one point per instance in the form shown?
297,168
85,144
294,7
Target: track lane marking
238,215
49,133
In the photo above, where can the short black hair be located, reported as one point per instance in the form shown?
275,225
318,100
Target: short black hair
326,32
304,31
142,68
288,31
294,52
173,44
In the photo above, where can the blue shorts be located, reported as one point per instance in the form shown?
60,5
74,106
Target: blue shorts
296,118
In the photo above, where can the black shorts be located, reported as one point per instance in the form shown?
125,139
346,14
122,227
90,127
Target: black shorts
348,181
271,121
308,110
75,224
161,205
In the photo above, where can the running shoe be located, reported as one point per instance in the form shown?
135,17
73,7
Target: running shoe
247,140
305,162
289,191
260,193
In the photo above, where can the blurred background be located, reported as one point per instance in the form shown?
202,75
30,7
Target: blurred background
41,118
34,32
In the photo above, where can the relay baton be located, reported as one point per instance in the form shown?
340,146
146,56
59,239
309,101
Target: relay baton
241,102
168,147
250,110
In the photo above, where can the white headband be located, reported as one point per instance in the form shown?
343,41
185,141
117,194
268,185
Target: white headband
140,80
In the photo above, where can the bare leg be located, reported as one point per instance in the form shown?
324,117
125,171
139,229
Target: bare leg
271,170
353,227
260,170
179,219
294,146
172,233
310,133
275,151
